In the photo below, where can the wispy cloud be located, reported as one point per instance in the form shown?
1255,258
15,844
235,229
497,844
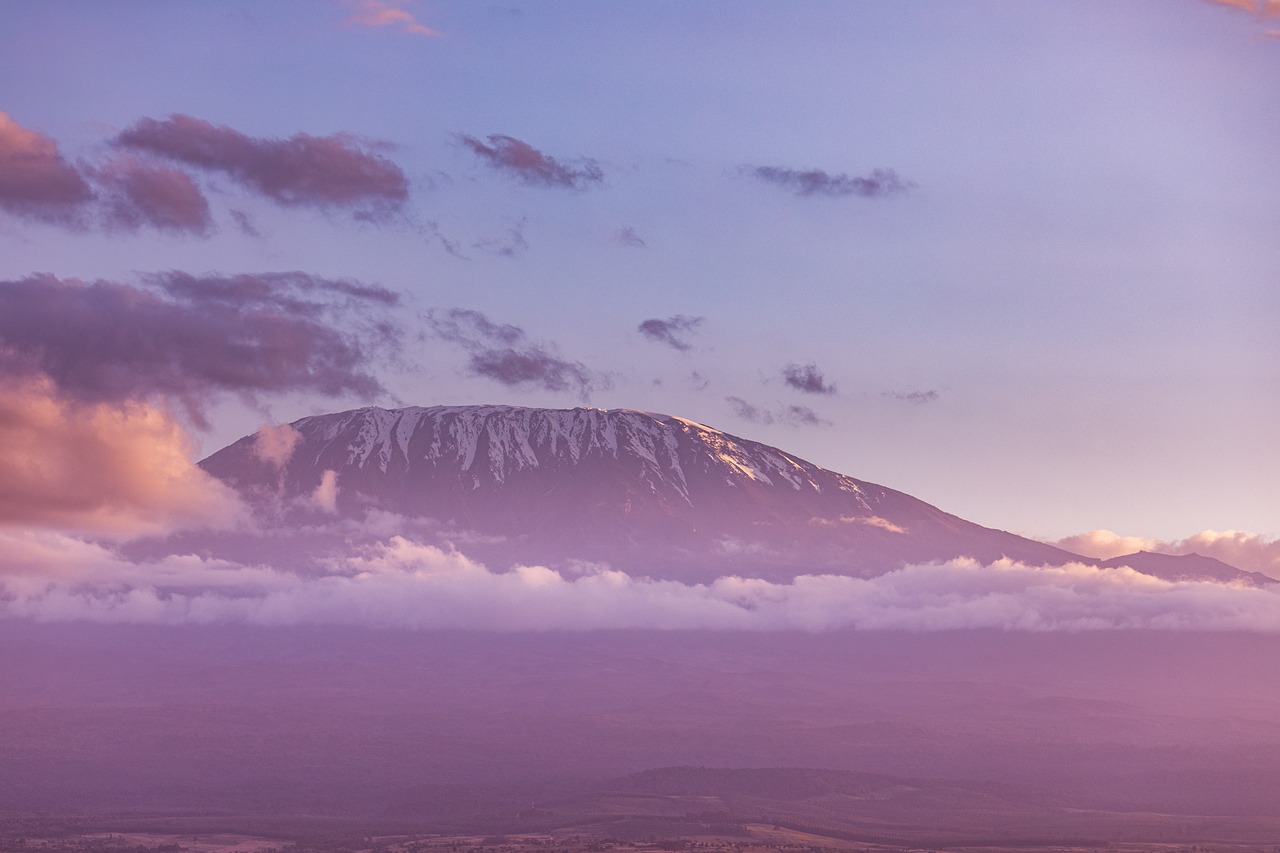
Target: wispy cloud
880,183
807,378
325,172
521,160
673,331
628,237
502,352
916,398
386,13
788,415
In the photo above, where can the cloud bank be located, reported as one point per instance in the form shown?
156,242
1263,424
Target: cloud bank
402,583
188,338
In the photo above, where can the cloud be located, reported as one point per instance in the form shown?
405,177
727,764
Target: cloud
1251,552
1261,8
502,352
189,338
807,378
144,194
325,495
522,160
386,13
787,415
673,331
122,467
324,172
397,582
628,237
881,182
36,181
918,398
510,245
532,366
275,444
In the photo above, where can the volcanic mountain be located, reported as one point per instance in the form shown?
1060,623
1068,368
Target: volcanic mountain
651,494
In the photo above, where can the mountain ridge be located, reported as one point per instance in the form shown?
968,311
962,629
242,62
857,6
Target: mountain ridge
650,493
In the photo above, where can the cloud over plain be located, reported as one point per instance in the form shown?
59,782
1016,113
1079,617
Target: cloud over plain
397,582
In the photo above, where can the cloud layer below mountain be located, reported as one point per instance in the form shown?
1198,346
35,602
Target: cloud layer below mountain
399,582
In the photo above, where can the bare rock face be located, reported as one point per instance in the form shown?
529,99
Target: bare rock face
648,493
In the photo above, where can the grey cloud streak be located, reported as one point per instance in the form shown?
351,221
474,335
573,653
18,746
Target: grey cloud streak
533,167
502,352
673,331
788,415
809,182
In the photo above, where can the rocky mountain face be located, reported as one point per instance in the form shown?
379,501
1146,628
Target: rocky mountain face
650,494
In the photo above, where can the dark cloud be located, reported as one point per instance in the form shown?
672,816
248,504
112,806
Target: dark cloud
807,378
531,365
748,412
628,237
327,172
673,331
918,398
508,154
787,415
881,182
502,352
36,181
140,194
189,338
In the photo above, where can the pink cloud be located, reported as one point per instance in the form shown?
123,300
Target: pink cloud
36,181
326,172
123,467
386,13
162,197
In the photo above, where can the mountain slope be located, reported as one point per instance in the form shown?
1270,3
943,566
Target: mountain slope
648,493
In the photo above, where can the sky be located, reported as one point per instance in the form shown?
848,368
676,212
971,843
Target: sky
1017,260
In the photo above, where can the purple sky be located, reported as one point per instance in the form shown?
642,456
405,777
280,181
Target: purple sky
1018,260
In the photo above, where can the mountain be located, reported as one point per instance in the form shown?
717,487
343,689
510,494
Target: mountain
651,494
1176,567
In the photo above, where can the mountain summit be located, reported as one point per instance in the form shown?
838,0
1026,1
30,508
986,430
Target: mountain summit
648,493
